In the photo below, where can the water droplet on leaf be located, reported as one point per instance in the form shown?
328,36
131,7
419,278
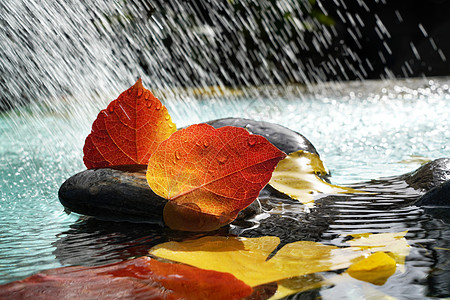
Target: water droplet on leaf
177,155
158,105
206,144
140,92
222,159
251,141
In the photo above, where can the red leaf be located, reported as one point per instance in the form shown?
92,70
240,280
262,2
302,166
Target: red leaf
141,278
210,174
128,131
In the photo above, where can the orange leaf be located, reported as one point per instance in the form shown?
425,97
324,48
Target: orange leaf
140,278
128,130
210,174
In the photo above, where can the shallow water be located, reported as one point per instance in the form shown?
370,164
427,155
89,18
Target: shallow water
361,130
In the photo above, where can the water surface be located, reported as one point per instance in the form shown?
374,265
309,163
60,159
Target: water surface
362,131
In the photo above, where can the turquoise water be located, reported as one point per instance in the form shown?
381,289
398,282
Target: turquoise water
361,131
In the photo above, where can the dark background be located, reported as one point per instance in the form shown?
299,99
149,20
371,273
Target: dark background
350,40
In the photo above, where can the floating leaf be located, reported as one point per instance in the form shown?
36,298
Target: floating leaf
210,174
297,177
392,242
128,130
246,258
376,268
141,278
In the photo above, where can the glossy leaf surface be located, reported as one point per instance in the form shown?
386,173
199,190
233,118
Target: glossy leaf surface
246,258
128,130
141,278
376,268
392,242
297,177
210,174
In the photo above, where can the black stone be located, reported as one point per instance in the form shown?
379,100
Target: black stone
281,137
437,196
112,194
430,175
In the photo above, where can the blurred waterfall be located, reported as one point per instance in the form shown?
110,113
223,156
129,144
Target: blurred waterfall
53,49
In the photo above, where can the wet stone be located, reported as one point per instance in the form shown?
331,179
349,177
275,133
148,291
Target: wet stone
438,196
113,194
430,175
281,137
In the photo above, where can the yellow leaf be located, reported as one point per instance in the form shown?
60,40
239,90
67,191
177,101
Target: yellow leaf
290,267
239,256
392,242
245,258
296,176
376,268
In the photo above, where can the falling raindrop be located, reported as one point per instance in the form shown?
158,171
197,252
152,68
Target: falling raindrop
423,30
414,50
441,54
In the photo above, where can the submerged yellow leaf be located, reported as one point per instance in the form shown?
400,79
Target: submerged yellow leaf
393,242
290,267
246,258
239,256
376,268
297,177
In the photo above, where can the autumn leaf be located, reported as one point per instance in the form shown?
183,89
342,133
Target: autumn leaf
140,278
246,258
209,175
128,130
297,177
376,268
392,242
